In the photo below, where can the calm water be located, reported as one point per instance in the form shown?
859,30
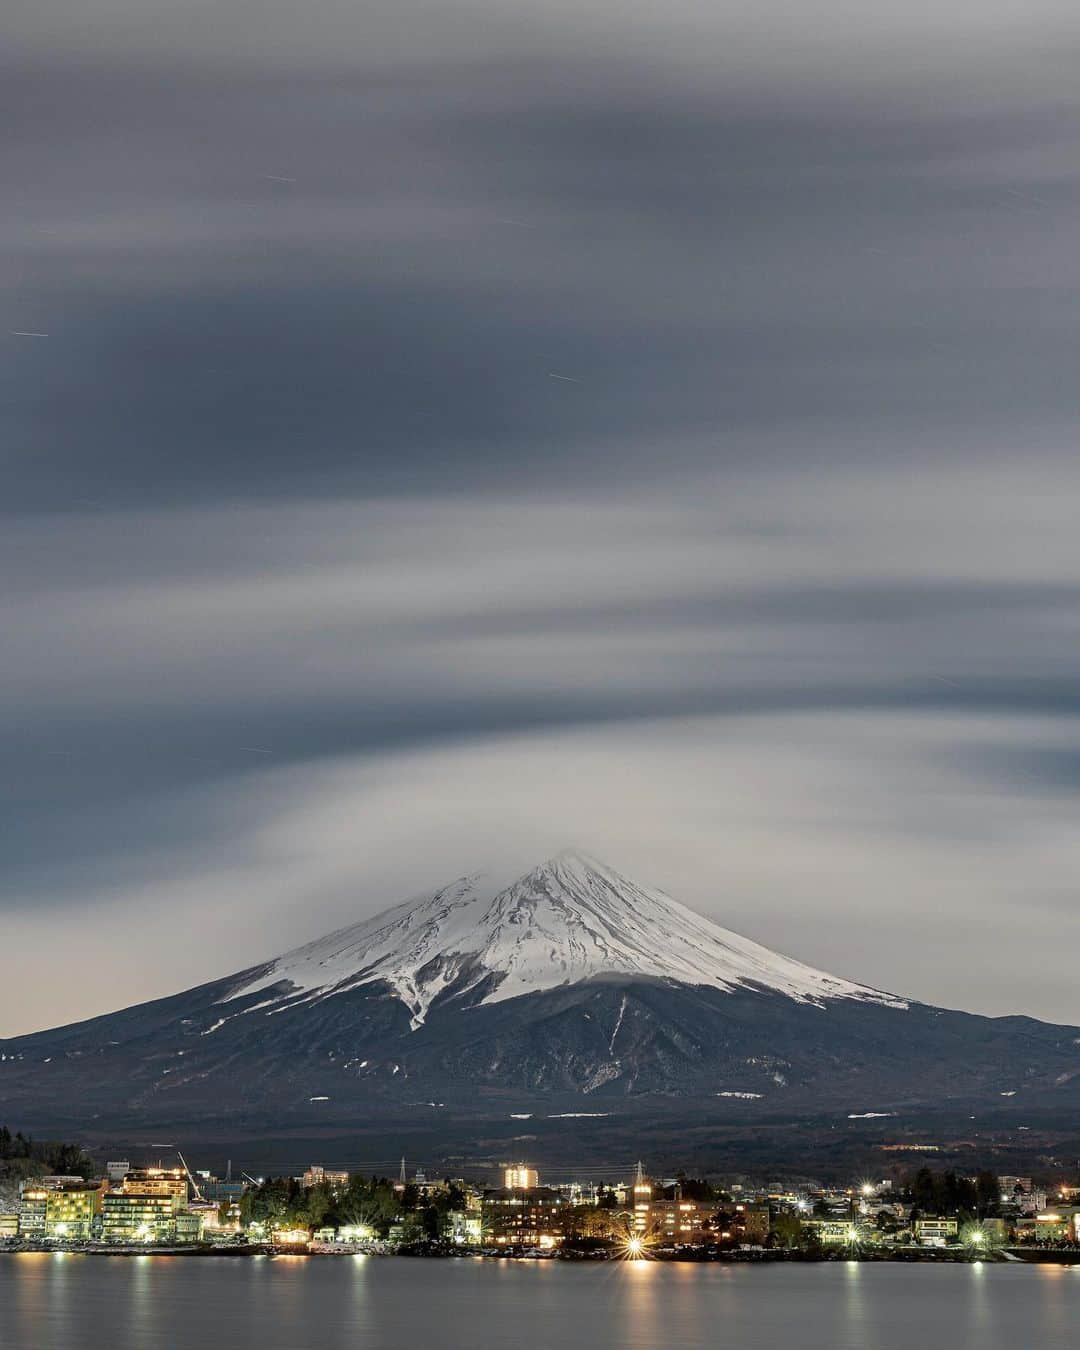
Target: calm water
51,1302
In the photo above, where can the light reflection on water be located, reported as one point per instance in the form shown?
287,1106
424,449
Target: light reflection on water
148,1302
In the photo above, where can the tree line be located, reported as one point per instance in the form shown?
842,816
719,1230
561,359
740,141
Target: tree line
372,1202
23,1156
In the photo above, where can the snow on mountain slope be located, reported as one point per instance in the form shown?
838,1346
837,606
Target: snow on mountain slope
568,920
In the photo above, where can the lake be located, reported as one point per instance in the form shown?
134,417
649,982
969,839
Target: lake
70,1302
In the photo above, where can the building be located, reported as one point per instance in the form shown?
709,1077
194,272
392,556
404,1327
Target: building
213,1190
1012,1188
319,1176
9,1226
519,1177
988,1233
189,1226
662,1215
751,1224
130,1217
516,1217
1060,1224
212,1219
170,1181
70,1213
32,1204
936,1232
117,1171
833,1232
465,1228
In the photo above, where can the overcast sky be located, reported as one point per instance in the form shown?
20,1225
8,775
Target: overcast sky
470,428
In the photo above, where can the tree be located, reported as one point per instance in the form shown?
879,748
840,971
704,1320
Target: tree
589,1221
987,1195
371,1203
22,1156
785,1230
276,1203
695,1188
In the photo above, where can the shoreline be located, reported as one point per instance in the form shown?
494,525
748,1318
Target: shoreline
1006,1256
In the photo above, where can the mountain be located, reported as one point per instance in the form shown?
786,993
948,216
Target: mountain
567,994
569,920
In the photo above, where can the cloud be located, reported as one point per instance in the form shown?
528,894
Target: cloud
470,424
862,843
251,717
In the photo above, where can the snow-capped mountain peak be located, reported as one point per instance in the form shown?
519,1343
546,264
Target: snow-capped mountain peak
570,919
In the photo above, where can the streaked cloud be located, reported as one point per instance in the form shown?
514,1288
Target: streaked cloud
316,584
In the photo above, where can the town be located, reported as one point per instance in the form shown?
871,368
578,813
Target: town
52,1197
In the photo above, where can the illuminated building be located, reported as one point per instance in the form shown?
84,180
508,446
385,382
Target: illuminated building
750,1224
465,1228
1020,1191
936,1232
171,1181
9,1226
1062,1223
316,1175
518,1177
32,1212
664,1216
189,1226
517,1217
834,1232
127,1217
642,1197
69,1213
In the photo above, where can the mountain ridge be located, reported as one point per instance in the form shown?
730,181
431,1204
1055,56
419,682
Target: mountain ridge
486,1004
570,918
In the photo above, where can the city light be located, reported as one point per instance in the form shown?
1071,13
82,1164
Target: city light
611,1222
